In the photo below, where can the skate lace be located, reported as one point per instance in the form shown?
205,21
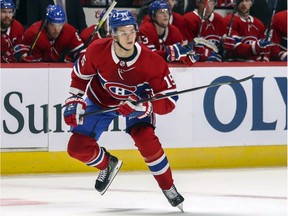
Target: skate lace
171,193
102,175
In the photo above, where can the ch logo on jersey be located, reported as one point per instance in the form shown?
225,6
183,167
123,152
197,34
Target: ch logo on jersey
120,91
248,39
215,39
121,71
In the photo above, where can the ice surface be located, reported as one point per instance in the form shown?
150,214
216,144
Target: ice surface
231,192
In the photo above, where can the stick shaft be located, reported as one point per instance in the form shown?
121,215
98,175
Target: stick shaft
232,18
203,18
101,22
36,37
229,30
269,26
173,94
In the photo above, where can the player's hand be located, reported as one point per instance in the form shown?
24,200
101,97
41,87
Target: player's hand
20,50
75,107
192,58
203,52
29,59
283,56
214,57
228,43
21,54
178,51
129,109
261,47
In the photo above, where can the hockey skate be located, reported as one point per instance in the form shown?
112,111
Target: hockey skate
174,198
107,175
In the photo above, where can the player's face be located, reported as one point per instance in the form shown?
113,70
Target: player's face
54,29
209,8
244,7
6,17
126,36
162,17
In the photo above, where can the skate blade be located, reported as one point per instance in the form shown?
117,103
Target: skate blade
116,170
180,206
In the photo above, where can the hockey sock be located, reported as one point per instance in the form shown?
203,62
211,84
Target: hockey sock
86,149
151,150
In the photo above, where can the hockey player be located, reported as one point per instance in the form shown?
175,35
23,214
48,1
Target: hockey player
102,33
247,41
279,37
163,38
175,19
205,24
11,31
130,72
57,42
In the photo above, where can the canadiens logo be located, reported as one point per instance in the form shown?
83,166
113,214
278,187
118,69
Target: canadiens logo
248,40
214,39
120,91
121,71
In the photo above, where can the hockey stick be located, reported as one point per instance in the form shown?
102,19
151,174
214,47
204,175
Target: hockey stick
101,22
231,24
232,17
36,37
269,26
203,17
173,94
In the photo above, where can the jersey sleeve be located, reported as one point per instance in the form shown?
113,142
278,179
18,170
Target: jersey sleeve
162,84
19,33
82,72
75,42
85,34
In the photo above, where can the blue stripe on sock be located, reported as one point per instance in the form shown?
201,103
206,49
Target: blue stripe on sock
159,166
98,159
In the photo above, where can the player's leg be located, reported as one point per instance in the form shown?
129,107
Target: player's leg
148,144
83,146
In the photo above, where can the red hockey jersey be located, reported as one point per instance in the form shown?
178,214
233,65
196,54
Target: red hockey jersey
279,37
212,29
113,80
176,19
149,37
246,31
68,42
12,37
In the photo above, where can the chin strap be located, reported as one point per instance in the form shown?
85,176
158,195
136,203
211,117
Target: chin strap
121,46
